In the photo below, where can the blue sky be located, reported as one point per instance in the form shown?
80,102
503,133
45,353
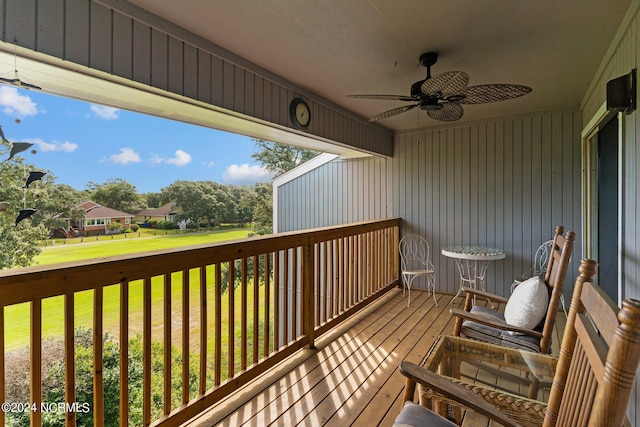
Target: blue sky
79,142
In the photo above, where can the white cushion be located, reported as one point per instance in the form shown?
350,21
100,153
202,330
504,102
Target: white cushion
528,304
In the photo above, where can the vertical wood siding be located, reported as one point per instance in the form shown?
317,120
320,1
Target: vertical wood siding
503,183
126,41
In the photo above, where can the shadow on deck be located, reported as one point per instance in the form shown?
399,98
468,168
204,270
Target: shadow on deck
351,377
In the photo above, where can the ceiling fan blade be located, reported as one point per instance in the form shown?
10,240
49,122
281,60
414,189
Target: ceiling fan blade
384,97
484,94
392,112
450,112
445,84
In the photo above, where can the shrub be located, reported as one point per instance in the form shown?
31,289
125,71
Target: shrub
166,225
115,227
18,386
135,227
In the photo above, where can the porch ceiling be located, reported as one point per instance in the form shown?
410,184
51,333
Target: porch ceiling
335,48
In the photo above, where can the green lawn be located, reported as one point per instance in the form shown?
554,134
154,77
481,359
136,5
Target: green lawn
17,317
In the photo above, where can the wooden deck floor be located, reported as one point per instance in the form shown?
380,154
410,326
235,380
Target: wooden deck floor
351,377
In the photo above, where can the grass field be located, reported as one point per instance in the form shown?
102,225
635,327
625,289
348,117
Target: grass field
17,317
120,244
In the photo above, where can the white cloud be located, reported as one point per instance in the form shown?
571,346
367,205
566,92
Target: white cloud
181,158
155,160
13,103
126,156
209,164
66,146
245,174
104,112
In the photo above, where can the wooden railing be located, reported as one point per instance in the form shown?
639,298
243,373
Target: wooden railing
235,309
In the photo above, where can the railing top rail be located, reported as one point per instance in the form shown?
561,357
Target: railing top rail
24,284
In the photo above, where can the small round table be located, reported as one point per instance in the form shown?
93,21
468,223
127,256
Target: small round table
472,263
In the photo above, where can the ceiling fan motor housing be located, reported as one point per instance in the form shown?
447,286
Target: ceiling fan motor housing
416,91
428,103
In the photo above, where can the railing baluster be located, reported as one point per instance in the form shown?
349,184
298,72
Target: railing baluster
369,269
69,359
332,278
351,260
327,281
318,285
307,302
98,377
343,269
277,312
167,344
186,313
218,324
375,259
3,397
295,317
359,269
36,360
146,351
243,316
285,302
124,354
256,311
231,314
267,303
203,337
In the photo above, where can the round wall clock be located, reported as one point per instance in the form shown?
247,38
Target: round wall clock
300,113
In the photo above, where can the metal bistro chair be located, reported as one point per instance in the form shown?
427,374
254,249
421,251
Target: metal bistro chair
539,267
540,260
415,261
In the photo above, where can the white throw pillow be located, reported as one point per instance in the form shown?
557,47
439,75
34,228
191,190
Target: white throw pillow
527,304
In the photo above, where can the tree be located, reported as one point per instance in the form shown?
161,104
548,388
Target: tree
261,200
18,244
242,197
201,201
115,193
57,205
153,200
279,158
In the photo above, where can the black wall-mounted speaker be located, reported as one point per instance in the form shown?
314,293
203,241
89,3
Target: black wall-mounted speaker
621,93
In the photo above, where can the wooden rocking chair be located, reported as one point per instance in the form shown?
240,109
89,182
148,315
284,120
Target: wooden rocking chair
592,378
488,325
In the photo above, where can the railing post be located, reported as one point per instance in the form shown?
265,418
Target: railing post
308,306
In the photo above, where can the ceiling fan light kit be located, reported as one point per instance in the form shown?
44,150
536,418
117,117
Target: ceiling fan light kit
441,95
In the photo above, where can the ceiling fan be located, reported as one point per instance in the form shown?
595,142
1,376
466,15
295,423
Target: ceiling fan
442,95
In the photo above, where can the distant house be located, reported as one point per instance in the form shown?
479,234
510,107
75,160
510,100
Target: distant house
97,219
163,213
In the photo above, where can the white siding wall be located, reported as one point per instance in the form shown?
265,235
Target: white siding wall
339,192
